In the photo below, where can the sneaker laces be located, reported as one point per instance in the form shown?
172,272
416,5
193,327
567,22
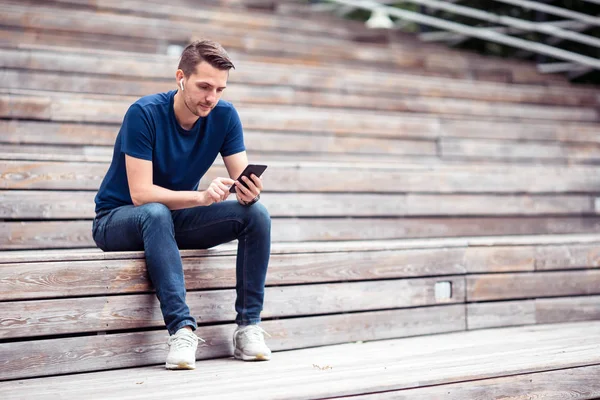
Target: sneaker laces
183,340
254,333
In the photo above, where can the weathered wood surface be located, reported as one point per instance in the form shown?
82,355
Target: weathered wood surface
53,274
144,73
562,241
579,383
536,311
409,363
336,177
211,12
87,134
117,313
36,280
124,28
97,352
21,204
280,95
531,285
102,108
530,258
77,234
505,150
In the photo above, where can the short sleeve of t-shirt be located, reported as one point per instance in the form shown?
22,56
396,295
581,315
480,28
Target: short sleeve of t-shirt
136,131
234,139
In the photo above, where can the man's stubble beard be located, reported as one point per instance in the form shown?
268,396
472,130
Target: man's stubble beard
194,110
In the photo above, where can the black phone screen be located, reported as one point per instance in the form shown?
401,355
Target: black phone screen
255,169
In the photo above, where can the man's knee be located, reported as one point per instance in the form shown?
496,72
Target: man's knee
259,215
155,212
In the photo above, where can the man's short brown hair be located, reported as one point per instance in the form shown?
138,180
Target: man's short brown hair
204,50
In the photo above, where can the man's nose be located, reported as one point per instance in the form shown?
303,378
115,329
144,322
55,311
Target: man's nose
212,96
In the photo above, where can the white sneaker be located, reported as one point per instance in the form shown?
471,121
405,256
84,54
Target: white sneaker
182,352
249,344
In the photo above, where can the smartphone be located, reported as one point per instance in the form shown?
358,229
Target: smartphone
255,169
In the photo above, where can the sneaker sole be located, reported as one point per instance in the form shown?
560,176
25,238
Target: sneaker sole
258,357
180,366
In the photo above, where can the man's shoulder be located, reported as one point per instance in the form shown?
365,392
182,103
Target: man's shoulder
155,100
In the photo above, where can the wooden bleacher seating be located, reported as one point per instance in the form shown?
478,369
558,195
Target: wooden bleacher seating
408,197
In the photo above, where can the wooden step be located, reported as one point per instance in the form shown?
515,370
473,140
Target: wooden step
338,177
77,233
512,361
133,68
154,35
73,107
267,96
44,205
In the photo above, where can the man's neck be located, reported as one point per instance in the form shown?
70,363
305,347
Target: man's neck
184,117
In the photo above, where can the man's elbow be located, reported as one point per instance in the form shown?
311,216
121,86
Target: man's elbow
139,198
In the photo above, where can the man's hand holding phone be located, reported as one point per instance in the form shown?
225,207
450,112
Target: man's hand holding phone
249,184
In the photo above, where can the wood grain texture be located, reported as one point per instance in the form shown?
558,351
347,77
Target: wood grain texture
354,81
277,95
357,368
77,234
586,308
93,314
335,177
90,353
485,149
122,276
109,109
17,204
535,311
573,383
501,314
531,285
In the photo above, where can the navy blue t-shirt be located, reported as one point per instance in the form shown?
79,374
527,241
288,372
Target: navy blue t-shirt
179,157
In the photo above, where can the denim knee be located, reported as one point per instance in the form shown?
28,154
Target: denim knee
258,216
155,211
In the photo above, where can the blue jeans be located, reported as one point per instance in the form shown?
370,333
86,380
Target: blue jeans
161,233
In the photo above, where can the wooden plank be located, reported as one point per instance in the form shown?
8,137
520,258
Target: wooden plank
77,234
122,276
336,177
18,204
278,95
505,150
500,259
549,311
121,27
383,366
531,285
530,258
90,353
158,67
564,132
110,313
500,314
567,257
97,108
250,19
537,311
579,383
290,248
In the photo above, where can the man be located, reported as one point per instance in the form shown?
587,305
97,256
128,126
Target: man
149,198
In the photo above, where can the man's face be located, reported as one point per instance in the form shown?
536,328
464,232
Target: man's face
204,88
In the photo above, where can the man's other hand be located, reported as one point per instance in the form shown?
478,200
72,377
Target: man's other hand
218,190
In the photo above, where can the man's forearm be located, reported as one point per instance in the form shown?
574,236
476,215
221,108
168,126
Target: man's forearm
174,200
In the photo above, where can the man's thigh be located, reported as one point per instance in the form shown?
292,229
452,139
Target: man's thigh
121,229
204,227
